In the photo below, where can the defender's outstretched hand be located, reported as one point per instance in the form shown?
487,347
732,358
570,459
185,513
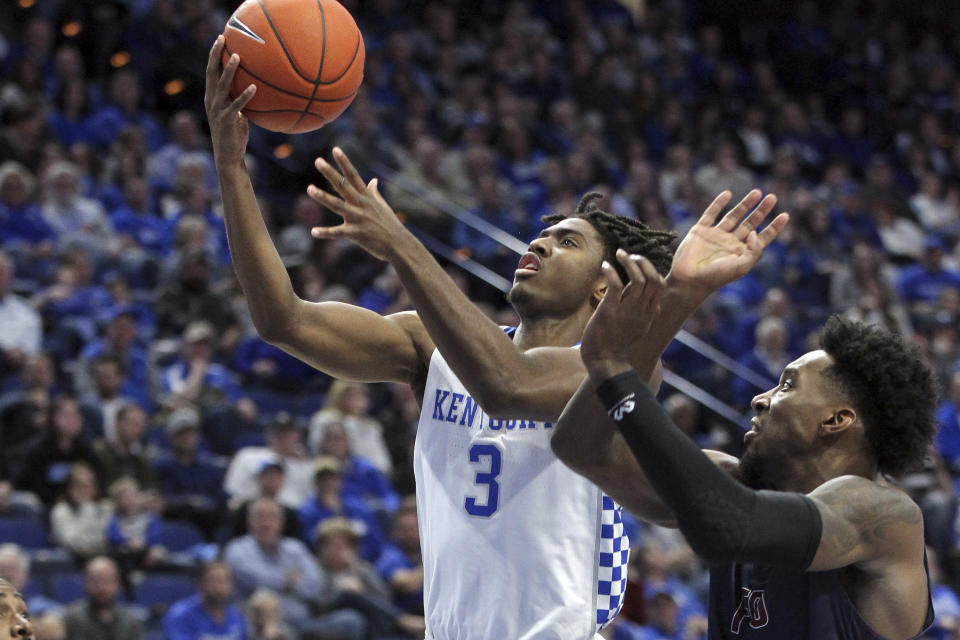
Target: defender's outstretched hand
712,256
623,317
367,218
228,127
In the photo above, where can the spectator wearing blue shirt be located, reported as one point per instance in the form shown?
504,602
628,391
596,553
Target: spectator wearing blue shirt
124,109
189,480
194,377
142,231
330,501
948,421
768,357
208,614
921,284
361,480
400,564
492,209
133,531
119,341
21,221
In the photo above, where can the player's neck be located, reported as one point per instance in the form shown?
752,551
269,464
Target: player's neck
550,332
803,475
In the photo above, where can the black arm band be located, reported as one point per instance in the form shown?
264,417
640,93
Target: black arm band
722,520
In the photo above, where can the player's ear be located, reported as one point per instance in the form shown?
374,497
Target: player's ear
838,422
598,292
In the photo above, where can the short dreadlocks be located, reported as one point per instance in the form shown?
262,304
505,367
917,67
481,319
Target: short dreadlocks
619,232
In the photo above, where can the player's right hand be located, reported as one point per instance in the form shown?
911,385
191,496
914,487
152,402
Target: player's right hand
228,127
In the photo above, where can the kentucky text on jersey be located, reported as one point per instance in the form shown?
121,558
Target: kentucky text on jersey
461,409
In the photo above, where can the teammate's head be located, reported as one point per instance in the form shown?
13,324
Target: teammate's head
14,619
865,396
575,245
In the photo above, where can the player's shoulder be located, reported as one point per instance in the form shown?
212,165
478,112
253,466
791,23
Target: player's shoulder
872,505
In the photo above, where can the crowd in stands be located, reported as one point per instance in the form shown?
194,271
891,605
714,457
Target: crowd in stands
164,473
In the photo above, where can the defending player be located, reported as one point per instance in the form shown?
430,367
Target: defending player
813,546
511,538
14,619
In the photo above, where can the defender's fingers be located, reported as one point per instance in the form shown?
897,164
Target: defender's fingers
732,218
632,267
351,173
752,222
337,231
655,284
773,229
614,283
715,207
335,178
330,201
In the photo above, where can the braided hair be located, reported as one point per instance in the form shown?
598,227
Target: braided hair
620,232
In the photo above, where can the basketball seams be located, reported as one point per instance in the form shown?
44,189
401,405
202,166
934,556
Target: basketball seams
323,55
293,94
346,70
276,34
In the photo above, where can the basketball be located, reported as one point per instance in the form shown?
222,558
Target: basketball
305,56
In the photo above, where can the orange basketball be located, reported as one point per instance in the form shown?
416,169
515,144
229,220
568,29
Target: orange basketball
305,56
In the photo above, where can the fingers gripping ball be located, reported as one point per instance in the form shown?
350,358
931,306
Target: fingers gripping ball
305,56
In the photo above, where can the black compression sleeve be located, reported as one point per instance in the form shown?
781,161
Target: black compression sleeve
722,520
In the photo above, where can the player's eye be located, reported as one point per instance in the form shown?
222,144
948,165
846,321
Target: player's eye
786,384
567,242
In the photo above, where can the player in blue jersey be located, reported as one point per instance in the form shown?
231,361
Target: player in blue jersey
14,618
811,543
515,545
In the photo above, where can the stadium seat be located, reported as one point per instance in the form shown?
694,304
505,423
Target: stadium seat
67,587
160,591
26,531
179,535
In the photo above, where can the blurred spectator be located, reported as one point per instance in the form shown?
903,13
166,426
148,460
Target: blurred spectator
70,214
330,501
119,341
124,454
284,442
194,378
270,481
47,461
724,172
401,564
15,569
100,616
24,410
921,284
265,618
209,613
133,532
934,211
21,223
948,422
354,583
185,138
22,334
263,558
102,406
361,479
768,357
78,521
124,108
188,296
348,403
189,480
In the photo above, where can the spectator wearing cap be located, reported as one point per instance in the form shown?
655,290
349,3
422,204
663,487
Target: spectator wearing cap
189,479
270,480
401,564
264,558
329,501
209,613
361,479
352,582
100,616
195,378
124,454
188,296
921,284
285,444
119,341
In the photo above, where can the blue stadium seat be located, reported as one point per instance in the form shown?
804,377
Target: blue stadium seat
26,531
179,535
67,587
163,590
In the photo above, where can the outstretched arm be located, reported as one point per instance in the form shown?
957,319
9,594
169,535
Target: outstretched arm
711,255
506,381
342,340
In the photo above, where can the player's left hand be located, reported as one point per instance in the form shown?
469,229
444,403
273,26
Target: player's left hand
714,255
367,218
623,317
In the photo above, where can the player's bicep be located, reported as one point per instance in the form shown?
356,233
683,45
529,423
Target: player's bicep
864,523
353,343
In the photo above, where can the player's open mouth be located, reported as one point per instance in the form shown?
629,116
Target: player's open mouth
529,264
755,430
